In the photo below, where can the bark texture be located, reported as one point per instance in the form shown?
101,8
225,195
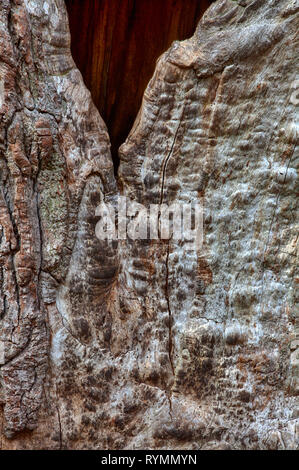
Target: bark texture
149,344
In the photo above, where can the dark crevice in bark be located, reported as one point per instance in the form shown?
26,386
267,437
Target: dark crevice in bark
116,44
170,319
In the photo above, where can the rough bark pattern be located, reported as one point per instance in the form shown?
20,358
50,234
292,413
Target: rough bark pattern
55,167
150,344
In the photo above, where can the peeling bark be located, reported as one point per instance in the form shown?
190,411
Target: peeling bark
149,343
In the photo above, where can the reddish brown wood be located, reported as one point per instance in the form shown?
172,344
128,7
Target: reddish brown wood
115,44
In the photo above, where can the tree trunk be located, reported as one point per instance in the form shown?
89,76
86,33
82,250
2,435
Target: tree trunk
151,342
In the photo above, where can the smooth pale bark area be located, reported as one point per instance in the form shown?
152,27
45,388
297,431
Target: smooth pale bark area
116,44
151,344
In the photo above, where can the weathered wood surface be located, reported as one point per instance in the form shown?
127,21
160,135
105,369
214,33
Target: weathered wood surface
149,344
